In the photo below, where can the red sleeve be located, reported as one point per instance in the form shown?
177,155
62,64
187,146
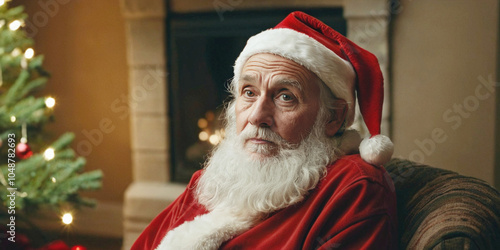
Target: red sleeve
184,208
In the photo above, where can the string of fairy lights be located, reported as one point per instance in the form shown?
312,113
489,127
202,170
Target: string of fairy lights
50,102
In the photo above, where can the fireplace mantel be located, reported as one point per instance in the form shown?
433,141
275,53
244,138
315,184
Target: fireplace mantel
151,190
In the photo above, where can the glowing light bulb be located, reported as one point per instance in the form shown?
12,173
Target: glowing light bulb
15,52
67,218
214,139
49,154
15,25
50,102
13,119
203,136
210,115
202,123
29,53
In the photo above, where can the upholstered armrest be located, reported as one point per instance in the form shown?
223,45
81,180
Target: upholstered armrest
440,209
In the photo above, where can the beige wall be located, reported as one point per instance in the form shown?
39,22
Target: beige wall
443,113
84,47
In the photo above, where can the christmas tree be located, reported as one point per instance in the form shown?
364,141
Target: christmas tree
35,171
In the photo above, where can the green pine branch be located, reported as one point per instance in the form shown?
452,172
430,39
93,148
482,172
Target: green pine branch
54,182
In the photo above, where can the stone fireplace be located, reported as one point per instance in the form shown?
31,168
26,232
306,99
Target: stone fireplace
152,189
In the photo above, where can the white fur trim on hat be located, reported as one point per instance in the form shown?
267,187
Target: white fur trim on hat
337,73
376,150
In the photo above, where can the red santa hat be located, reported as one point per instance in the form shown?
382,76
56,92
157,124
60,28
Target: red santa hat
342,65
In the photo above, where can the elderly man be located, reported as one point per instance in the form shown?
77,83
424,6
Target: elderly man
283,177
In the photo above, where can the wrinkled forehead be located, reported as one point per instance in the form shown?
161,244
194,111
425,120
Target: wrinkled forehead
278,69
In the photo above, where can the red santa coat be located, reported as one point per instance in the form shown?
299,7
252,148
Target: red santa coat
352,207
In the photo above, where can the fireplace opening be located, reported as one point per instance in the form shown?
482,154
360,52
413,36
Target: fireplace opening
201,49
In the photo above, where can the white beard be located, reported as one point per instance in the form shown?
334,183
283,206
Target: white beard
240,189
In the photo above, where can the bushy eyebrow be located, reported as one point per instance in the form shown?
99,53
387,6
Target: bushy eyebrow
283,81
248,78
290,82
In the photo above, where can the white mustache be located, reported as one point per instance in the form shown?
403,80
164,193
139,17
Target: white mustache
267,134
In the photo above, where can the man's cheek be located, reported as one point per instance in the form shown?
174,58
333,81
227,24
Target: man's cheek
241,120
240,125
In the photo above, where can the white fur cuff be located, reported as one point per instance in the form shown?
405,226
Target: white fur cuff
207,231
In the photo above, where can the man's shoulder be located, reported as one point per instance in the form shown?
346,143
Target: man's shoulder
352,168
350,176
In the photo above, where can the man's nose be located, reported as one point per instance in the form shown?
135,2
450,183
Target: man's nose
262,112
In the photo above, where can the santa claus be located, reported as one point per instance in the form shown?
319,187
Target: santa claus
288,174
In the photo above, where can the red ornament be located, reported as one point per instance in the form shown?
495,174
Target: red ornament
78,247
55,245
23,151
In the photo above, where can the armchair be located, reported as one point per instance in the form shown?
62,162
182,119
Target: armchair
440,209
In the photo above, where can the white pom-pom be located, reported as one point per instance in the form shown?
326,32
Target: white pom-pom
376,150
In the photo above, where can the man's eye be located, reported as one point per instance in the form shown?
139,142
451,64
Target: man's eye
249,93
286,97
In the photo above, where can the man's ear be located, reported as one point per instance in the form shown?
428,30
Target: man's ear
337,119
